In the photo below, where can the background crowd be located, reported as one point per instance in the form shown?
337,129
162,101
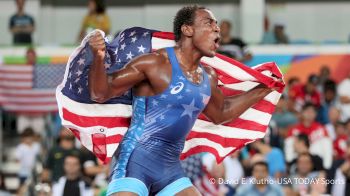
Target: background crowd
306,150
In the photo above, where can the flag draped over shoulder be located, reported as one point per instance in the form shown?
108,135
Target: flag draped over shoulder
100,127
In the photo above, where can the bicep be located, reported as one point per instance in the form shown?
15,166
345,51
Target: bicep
132,74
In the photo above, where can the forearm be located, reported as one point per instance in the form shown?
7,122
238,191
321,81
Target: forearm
98,80
234,106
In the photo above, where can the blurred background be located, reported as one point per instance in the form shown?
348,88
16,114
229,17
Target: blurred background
308,137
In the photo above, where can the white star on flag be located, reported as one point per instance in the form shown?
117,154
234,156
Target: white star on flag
79,72
107,65
70,86
189,109
132,33
129,55
81,61
80,90
145,34
122,46
133,40
141,49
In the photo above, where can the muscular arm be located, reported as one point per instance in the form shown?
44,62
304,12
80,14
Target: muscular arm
103,87
222,109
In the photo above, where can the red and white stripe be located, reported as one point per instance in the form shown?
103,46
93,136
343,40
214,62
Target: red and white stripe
101,127
17,93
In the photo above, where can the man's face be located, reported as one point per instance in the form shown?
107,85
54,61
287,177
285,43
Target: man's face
72,166
260,172
309,114
206,33
225,29
304,164
20,4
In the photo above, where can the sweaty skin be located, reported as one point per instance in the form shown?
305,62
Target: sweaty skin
150,74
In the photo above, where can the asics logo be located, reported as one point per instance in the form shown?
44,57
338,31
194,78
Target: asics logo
176,89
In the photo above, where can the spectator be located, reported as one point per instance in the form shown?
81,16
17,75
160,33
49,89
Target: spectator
283,116
261,185
274,158
301,146
232,47
31,56
324,76
344,95
339,144
341,187
306,93
53,168
96,19
334,118
230,170
304,172
26,154
21,25
329,100
71,184
320,143
278,36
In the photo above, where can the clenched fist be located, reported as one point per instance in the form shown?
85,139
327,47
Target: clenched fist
97,44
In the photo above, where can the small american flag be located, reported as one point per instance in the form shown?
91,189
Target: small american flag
29,88
100,127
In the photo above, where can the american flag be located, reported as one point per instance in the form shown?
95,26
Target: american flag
29,88
100,127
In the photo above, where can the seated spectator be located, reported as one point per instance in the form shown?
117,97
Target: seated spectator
320,143
301,94
304,173
21,25
283,117
260,185
26,154
273,156
344,97
53,168
324,76
31,56
71,183
334,118
96,19
301,146
329,100
232,47
339,144
278,36
341,176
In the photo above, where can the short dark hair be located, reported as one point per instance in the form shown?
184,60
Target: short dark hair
262,163
304,138
185,16
28,132
100,6
309,105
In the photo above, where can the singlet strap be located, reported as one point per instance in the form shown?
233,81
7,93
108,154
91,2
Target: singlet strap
173,60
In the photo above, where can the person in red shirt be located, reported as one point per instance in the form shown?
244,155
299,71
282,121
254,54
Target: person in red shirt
339,145
320,142
301,94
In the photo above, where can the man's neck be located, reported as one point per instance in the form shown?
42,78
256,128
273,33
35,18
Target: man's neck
226,39
261,187
20,12
72,177
188,56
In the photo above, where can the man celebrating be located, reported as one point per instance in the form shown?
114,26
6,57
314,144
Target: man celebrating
170,90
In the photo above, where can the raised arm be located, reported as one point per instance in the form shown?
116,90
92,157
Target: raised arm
222,109
102,87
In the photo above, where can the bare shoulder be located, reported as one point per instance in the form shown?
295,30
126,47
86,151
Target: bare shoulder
155,59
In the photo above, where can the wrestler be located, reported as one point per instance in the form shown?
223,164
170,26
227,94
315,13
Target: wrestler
171,88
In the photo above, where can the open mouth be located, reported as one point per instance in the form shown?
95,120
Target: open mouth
217,41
